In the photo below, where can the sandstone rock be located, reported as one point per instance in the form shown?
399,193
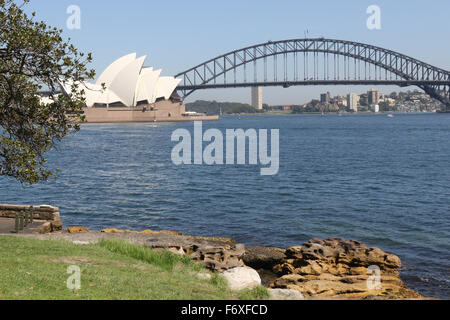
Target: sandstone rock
45,228
216,255
178,251
337,268
268,277
56,225
294,252
159,232
335,251
283,268
115,230
263,257
285,294
197,238
77,229
242,278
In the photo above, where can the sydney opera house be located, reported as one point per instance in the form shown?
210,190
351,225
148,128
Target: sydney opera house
127,91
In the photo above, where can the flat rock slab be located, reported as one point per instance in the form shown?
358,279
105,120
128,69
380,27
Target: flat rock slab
143,239
263,257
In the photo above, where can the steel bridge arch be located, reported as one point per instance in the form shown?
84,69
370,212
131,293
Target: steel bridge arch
433,80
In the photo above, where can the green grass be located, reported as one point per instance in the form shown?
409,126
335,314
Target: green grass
166,260
37,270
258,293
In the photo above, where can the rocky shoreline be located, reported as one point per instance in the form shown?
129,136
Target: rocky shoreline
318,269
332,268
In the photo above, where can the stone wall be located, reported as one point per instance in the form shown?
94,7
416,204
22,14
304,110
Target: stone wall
46,213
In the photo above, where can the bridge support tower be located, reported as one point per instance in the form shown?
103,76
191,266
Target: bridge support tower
257,98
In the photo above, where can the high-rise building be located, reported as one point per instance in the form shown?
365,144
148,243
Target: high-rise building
352,102
373,97
325,98
257,97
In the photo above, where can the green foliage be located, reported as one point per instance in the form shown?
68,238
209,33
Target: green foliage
163,259
298,109
313,106
384,107
258,293
214,107
35,57
218,280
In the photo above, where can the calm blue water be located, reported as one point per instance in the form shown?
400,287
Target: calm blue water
384,181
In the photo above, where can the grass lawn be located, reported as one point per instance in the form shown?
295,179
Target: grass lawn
38,270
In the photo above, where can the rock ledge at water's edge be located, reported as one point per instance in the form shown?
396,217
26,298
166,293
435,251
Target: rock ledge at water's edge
319,269
333,268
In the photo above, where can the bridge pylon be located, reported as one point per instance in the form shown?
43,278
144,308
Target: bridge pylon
257,98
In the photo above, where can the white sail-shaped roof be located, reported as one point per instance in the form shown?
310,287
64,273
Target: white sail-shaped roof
92,92
147,86
165,87
126,81
124,85
111,72
141,93
45,100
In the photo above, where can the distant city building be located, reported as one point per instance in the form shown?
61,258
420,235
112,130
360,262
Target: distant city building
340,100
363,99
325,98
375,108
257,97
352,102
388,100
373,97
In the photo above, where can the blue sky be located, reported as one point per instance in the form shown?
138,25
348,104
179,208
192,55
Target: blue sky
177,35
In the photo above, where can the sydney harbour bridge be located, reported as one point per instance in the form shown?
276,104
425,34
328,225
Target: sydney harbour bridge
319,61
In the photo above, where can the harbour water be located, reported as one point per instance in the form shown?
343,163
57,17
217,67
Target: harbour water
384,181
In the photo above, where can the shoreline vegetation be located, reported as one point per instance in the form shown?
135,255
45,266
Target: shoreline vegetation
125,264
110,269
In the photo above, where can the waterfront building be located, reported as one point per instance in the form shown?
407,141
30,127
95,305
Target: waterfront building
325,98
287,107
352,102
375,108
128,91
373,97
127,84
